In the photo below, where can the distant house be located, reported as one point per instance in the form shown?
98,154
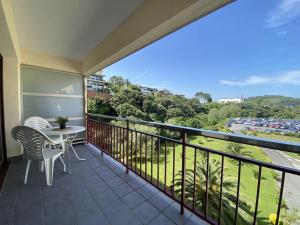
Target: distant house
202,100
148,90
230,100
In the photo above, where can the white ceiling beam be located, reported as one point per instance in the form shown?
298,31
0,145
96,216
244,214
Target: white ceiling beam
9,43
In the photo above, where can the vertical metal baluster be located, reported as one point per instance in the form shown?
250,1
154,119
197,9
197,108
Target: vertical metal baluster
141,149
95,130
173,173
183,169
257,195
146,152
118,144
195,173
106,136
102,131
206,184
165,175
99,131
280,198
135,146
238,194
101,135
110,137
127,145
131,147
151,159
115,143
123,144
92,138
158,156
221,190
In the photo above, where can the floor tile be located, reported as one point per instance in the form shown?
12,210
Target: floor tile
173,212
161,201
133,199
146,212
162,220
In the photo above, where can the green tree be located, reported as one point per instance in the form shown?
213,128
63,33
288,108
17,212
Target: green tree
214,116
126,110
99,105
230,111
203,96
228,197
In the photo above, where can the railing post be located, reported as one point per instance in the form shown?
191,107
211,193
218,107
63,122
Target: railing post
183,169
127,144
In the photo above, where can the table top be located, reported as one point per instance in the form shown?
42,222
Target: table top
66,131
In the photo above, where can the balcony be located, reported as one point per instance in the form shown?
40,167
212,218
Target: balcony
197,177
98,191
131,176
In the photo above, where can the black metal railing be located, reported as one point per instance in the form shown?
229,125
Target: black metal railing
184,171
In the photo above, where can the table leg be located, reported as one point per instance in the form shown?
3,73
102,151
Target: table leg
67,157
70,141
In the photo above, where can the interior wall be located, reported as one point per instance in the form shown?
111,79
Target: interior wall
12,102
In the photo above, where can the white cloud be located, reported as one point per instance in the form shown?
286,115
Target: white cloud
285,12
287,78
281,32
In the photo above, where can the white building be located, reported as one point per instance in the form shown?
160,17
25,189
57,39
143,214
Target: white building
148,90
95,82
230,100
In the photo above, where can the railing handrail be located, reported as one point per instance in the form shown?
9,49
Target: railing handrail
239,138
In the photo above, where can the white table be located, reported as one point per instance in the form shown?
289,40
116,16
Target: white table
69,134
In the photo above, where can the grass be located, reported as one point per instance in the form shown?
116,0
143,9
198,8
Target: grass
283,138
269,188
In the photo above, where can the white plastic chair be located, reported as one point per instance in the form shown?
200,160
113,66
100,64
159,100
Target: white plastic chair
36,146
39,123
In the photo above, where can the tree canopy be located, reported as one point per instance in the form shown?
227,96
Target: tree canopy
164,106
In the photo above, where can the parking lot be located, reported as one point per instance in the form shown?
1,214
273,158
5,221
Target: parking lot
266,125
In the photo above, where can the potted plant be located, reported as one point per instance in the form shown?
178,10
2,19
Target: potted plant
62,122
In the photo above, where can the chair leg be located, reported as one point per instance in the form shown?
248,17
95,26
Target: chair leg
49,167
62,161
27,169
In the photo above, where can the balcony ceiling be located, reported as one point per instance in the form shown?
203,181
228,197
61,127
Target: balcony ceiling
85,36
69,28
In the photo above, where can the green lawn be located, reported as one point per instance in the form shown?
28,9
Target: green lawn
269,189
283,138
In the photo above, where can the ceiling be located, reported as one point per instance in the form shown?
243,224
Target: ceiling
68,28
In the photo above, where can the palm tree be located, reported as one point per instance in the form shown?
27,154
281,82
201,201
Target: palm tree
214,181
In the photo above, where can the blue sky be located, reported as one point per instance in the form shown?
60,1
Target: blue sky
248,48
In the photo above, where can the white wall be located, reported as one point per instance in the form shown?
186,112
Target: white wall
12,102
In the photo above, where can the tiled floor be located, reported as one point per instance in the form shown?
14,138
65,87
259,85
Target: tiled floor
97,192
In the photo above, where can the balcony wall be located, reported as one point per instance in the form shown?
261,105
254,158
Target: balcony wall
50,94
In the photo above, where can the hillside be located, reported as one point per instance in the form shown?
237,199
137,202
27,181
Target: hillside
274,100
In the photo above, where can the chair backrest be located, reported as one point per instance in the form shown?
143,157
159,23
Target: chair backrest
32,141
37,123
